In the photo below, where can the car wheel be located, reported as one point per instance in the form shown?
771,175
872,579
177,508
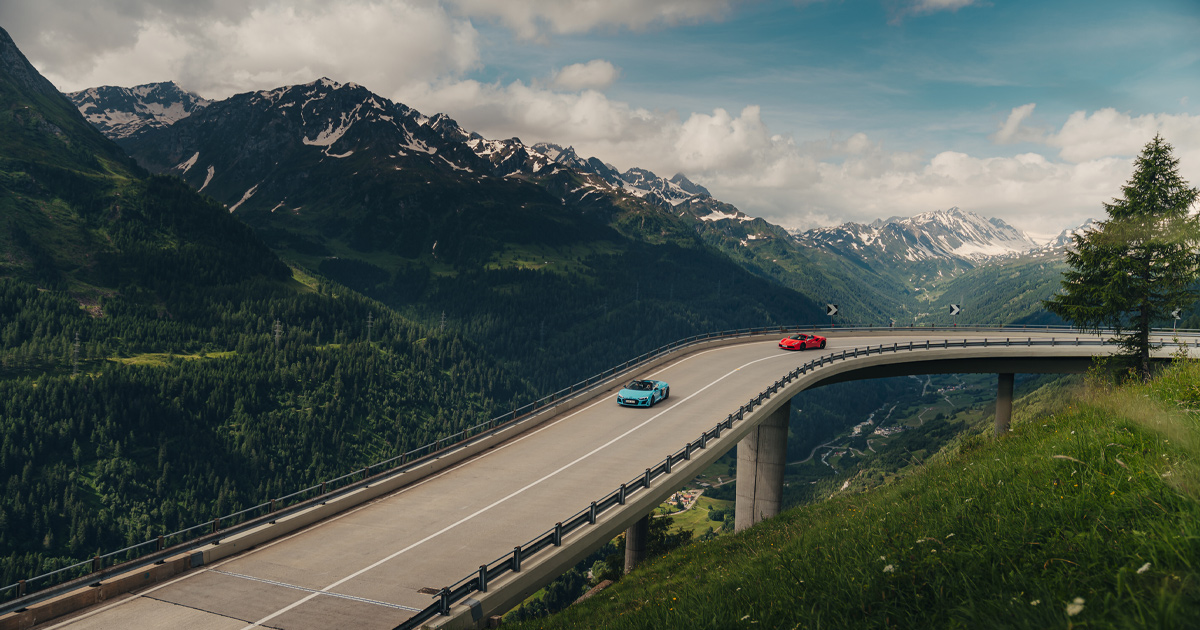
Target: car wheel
803,346
822,344
667,393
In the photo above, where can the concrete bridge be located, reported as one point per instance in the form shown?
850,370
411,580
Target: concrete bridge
479,528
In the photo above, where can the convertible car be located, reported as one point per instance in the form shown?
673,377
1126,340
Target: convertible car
802,342
643,393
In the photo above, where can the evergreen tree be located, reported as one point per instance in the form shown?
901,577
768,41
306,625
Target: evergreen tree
1139,265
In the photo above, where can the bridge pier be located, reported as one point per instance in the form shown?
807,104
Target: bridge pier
1004,396
762,455
635,543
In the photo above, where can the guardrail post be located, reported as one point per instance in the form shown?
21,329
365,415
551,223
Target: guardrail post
621,495
323,487
517,559
272,508
96,563
704,440
444,596
21,588
687,452
558,534
216,524
592,513
483,578
668,467
646,480
160,544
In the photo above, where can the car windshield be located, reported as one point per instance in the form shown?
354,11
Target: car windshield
799,336
643,386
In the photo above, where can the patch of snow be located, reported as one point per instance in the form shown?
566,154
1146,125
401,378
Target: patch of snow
717,216
247,195
335,130
455,166
187,165
340,155
211,171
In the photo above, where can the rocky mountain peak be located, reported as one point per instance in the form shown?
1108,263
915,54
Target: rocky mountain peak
18,67
948,235
121,113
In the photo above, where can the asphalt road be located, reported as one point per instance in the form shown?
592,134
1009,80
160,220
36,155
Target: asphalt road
365,568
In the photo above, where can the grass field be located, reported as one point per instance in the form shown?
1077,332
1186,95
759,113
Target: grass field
161,359
696,519
1086,515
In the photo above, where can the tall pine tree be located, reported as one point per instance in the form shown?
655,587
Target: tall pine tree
1132,270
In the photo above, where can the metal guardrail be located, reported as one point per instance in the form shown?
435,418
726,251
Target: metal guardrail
147,552
553,537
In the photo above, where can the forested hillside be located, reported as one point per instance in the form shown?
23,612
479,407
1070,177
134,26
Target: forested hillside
160,366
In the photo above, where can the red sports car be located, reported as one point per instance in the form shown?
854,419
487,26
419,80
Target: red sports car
802,342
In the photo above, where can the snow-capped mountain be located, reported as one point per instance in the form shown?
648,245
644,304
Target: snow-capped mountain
951,234
1066,238
513,158
125,112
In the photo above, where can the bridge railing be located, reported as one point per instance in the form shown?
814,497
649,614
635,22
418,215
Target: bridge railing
553,537
65,578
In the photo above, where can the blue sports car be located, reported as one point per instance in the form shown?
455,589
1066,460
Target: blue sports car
643,393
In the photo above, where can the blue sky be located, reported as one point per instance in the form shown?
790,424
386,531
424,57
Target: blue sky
804,112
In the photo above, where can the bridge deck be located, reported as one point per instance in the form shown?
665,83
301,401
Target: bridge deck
366,567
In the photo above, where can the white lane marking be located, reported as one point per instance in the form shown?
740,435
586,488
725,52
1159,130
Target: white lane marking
322,523
332,519
498,502
310,590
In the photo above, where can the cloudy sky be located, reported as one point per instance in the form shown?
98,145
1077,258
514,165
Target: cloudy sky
805,112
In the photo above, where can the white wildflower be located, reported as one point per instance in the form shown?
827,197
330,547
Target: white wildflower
1035,602
1075,607
889,569
1145,568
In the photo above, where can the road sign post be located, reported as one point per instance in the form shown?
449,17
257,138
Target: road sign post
831,310
1175,314
954,311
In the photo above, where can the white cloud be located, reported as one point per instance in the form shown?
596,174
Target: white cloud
839,178
380,44
596,74
1012,130
529,19
926,7
1109,132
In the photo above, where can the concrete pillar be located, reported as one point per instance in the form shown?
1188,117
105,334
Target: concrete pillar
762,455
1004,394
635,543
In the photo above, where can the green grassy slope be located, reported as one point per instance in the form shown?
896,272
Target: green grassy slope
1085,516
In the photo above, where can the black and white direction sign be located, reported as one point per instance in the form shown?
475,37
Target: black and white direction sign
955,309
831,309
1175,313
